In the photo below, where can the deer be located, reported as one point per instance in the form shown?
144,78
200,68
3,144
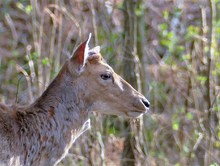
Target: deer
43,132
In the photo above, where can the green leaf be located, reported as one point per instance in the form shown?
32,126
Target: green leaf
175,122
163,27
189,116
186,149
165,42
186,57
20,5
202,79
138,12
170,35
166,15
46,61
192,31
214,164
34,56
111,130
217,65
180,48
175,126
217,144
28,9
217,108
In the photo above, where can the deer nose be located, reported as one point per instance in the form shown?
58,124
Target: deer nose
146,103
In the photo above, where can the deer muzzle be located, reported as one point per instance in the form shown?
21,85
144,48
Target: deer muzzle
140,106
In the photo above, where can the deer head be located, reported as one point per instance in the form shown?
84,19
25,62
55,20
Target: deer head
103,89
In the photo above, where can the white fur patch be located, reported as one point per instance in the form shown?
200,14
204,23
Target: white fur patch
96,49
86,52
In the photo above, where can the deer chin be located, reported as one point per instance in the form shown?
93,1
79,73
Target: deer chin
134,114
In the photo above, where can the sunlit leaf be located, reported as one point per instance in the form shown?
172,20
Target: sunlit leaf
163,27
217,144
189,116
202,79
175,126
20,5
186,149
166,15
46,61
28,9
214,164
186,57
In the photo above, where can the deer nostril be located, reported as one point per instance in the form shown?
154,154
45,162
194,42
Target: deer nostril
146,103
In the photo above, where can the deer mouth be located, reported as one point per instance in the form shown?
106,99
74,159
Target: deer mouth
140,107
135,114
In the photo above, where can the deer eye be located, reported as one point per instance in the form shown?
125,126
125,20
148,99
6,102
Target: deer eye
106,76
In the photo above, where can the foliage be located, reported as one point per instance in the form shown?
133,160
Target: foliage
181,64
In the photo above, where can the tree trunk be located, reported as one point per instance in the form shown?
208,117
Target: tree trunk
131,70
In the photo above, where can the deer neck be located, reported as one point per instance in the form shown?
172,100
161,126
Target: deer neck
63,108
65,92
65,96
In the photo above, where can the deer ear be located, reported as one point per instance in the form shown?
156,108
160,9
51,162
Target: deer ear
81,54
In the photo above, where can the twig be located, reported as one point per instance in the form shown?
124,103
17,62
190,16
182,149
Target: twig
13,30
94,22
19,68
30,63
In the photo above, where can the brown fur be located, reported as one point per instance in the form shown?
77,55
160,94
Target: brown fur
43,132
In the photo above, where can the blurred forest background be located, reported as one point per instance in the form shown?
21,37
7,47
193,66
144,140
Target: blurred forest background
168,49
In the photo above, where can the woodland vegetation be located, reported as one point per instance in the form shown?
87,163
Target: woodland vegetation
167,49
